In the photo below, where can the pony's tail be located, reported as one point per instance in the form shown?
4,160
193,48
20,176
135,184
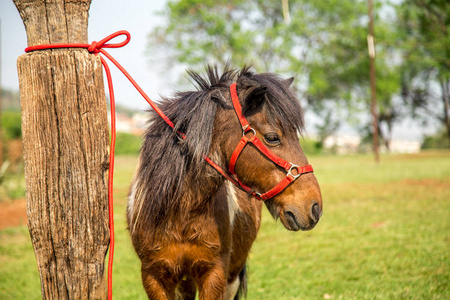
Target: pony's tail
242,291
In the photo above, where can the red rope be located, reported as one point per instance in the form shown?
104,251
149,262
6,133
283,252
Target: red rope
97,47
110,177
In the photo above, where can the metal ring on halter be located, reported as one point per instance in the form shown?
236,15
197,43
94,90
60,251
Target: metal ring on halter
244,131
298,171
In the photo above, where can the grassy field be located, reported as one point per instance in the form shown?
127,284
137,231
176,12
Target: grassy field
385,234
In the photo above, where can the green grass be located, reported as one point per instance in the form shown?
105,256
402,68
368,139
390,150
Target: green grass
385,234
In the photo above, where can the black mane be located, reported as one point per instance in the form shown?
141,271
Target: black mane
167,159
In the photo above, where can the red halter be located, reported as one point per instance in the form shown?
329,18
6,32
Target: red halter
245,140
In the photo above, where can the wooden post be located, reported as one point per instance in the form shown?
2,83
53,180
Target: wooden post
65,139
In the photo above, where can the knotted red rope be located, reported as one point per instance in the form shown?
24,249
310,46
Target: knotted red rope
96,48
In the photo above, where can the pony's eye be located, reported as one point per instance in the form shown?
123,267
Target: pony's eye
272,139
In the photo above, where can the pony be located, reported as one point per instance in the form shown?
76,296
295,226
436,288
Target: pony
192,224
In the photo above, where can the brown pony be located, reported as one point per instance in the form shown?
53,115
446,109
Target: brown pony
192,228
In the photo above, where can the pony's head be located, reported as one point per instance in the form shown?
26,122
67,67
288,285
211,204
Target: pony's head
276,118
169,165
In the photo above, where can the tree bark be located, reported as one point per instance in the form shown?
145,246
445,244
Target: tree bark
373,107
445,89
65,138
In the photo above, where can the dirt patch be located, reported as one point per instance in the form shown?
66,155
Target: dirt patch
13,213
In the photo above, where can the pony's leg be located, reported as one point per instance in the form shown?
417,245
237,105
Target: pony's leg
237,287
232,289
155,288
212,285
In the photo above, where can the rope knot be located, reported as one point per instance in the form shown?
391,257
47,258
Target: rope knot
93,48
96,47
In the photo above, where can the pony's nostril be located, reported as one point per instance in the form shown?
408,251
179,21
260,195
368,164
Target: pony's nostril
292,220
315,212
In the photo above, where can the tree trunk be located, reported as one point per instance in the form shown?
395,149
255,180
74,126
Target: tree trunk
65,138
1,91
445,89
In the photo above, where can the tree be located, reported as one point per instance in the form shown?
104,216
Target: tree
65,138
340,74
425,28
324,45
436,141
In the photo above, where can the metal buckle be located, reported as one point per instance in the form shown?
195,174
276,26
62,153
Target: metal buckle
289,172
256,195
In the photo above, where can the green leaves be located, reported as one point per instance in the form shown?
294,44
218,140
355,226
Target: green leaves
324,45
424,27
11,125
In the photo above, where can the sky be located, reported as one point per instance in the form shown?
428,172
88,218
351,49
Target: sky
138,17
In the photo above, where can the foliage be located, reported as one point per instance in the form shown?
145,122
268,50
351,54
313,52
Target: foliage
311,147
255,32
11,125
424,26
367,246
324,45
217,31
127,143
436,141
12,184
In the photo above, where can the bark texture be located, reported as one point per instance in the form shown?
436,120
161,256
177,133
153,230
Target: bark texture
65,138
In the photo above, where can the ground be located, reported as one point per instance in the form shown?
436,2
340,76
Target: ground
13,213
384,234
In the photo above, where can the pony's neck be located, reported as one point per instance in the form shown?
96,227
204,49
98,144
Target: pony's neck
198,193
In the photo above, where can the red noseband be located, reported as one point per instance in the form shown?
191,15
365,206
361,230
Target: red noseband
293,171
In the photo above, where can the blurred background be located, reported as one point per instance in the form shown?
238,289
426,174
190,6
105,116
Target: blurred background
386,230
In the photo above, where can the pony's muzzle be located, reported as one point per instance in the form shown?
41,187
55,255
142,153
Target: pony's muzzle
294,220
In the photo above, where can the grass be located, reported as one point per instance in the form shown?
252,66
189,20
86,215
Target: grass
385,234
12,181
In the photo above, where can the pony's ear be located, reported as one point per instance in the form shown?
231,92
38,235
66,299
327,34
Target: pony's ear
254,100
253,95
288,81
